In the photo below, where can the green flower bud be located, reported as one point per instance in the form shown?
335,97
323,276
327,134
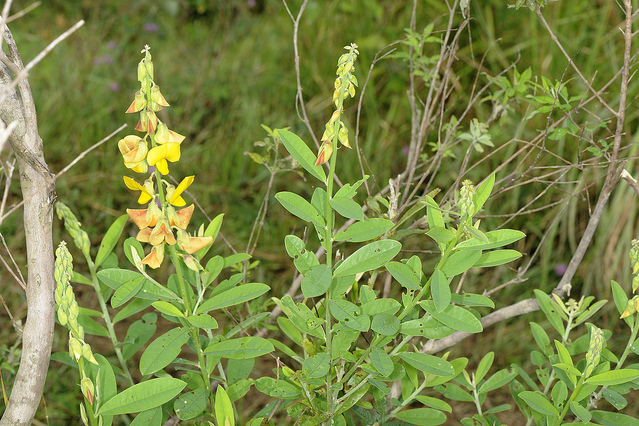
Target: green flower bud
466,204
75,348
594,350
83,415
88,354
88,390
62,317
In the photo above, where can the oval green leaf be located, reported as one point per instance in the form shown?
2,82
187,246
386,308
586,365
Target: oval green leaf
316,281
422,416
454,316
163,350
382,361
233,296
404,275
496,258
190,405
369,257
110,239
365,230
317,366
301,153
539,403
347,208
242,348
428,363
385,324
143,396
299,207
167,309
460,262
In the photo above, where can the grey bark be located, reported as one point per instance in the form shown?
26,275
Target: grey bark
38,195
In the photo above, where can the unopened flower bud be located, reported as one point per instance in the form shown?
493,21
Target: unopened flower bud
630,308
594,350
88,390
75,347
466,205
138,103
88,354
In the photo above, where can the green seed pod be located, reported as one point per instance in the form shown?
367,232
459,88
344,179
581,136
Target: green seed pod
83,415
62,317
74,309
88,390
88,354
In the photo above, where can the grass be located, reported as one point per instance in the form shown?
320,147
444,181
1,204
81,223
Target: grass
228,70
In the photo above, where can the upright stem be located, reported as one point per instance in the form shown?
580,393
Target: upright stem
107,320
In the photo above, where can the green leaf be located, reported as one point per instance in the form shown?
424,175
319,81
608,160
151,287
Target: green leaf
454,316
299,207
343,309
498,238
189,405
116,277
369,257
135,306
381,361
241,348
614,377
454,392
348,190
365,230
303,259
223,408
277,388
441,235
211,231
497,380
381,306
385,324
546,306
404,275
131,244
203,321
110,239
427,327
607,418
483,366
621,301
233,296
235,258
317,366
138,334
347,208
470,299
542,339
440,290
167,309
143,396
316,281
163,350
581,412
428,363
422,416
483,192
539,403
434,214
434,403
301,153
91,326
148,417
496,258
460,262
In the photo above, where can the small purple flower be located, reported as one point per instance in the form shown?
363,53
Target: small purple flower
114,87
151,27
112,45
560,269
405,151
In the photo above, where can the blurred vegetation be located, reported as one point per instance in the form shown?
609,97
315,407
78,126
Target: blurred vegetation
228,66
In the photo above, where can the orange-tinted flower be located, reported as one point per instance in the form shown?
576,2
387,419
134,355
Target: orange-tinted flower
148,121
174,195
159,156
144,234
180,218
147,217
138,103
147,192
134,151
162,233
192,244
164,135
157,100
325,152
155,258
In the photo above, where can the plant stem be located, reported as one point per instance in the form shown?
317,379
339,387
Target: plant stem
107,321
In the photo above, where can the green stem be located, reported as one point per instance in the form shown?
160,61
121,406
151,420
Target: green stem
107,321
580,384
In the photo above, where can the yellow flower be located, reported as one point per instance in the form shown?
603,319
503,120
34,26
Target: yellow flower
147,192
134,151
174,195
155,258
164,135
159,156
